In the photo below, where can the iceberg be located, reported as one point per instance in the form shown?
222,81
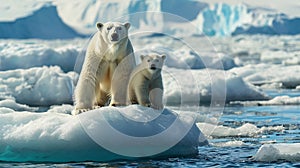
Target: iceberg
95,135
43,22
222,19
71,19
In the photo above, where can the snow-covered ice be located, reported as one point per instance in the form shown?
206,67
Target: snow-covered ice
246,130
278,100
277,152
270,76
42,86
202,85
229,144
72,138
45,86
16,55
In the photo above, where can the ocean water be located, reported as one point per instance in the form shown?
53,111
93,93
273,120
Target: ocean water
231,150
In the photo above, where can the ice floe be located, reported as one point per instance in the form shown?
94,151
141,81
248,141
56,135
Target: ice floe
248,130
278,152
95,135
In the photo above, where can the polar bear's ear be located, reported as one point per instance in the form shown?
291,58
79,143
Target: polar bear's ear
163,56
127,25
142,57
99,25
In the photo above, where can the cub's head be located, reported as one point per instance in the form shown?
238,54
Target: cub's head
153,62
113,32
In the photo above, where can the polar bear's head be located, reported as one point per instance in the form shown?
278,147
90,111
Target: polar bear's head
153,62
113,32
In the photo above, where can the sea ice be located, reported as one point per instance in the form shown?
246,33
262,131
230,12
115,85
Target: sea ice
278,100
276,152
20,55
59,137
247,129
265,74
43,86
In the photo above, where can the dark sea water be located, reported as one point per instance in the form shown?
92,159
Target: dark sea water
218,155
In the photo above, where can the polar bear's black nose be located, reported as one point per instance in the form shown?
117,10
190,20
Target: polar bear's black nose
114,36
153,67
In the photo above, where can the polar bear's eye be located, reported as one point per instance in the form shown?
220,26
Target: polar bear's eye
119,28
108,28
148,60
156,60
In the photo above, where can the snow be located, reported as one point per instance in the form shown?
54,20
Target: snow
270,76
229,144
11,10
73,138
45,86
12,105
38,86
203,85
246,130
18,55
278,100
186,57
277,152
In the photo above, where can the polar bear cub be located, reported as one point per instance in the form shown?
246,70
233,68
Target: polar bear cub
106,70
146,85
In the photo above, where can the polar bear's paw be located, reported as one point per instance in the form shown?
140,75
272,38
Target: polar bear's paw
96,107
146,104
116,104
157,107
79,111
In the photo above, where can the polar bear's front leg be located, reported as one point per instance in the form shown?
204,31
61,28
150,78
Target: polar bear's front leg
120,81
102,97
84,94
142,95
156,98
119,91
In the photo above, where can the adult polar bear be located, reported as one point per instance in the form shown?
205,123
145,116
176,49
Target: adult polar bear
106,70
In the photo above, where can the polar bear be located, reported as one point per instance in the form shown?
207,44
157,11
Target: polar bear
146,85
108,63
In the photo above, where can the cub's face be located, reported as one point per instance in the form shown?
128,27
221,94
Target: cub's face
153,62
113,32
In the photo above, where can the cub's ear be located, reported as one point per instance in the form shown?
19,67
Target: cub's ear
127,25
142,57
163,56
99,26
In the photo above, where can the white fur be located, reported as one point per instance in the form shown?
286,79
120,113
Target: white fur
105,73
145,85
